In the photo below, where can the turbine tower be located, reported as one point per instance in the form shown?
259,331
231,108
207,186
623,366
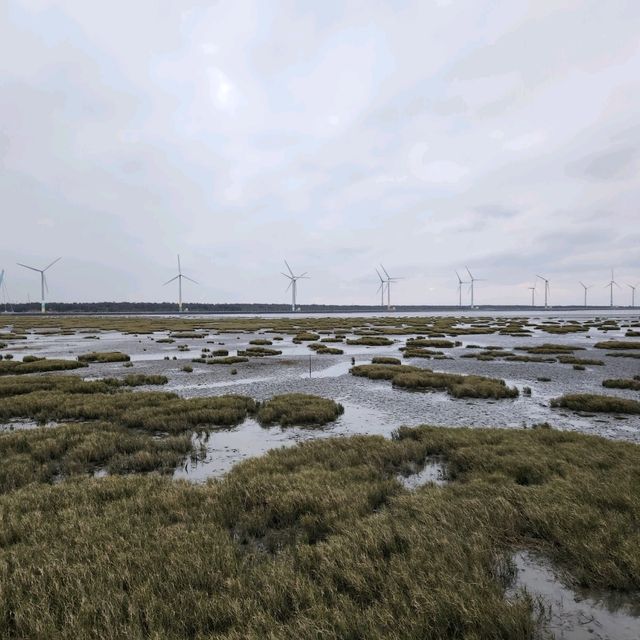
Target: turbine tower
381,288
179,279
546,291
293,284
533,294
633,294
43,281
472,280
610,285
585,287
460,283
388,282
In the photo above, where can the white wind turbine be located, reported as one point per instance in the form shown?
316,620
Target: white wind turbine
546,290
179,278
472,281
293,284
533,294
43,281
610,285
381,288
460,283
388,282
586,288
633,294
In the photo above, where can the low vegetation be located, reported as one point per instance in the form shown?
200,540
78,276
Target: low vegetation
321,540
261,342
623,384
385,360
298,409
371,341
39,365
594,403
222,360
617,344
258,352
104,356
433,342
457,385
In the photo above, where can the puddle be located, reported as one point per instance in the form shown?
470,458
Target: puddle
574,615
433,472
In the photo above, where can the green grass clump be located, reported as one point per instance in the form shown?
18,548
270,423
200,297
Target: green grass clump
222,360
456,385
261,342
306,336
381,371
165,341
385,360
371,341
594,403
298,409
551,349
39,365
187,335
104,356
617,344
580,361
219,353
258,352
322,536
434,342
420,353
322,349
622,384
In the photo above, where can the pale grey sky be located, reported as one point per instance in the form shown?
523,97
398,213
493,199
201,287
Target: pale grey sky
424,135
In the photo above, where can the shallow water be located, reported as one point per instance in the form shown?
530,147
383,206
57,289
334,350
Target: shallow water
576,615
433,472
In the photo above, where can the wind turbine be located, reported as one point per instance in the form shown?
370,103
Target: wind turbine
389,281
610,285
43,281
460,283
381,288
179,279
633,294
546,291
533,294
472,281
585,287
293,284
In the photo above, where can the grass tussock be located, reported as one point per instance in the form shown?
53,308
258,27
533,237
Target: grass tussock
550,349
261,342
594,403
322,349
617,344
38,365
104,356
371,341
322,536
385,360
258,352
298,409
634,384
580,361
433,342
223,360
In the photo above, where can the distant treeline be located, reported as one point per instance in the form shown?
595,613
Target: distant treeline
249,308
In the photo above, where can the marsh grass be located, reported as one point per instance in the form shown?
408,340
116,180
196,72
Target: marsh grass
261,342
104,356
385,360
298,409
433,342
39,365
371,341
322,349
550,349
457,385
622,384
258,352
594,403
222,360
321,540
617,344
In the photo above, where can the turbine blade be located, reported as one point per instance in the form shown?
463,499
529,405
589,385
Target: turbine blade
179,267
51,265
172,279
291,281
286,275
469,272
28,267
288,267
304,275
190,279
385,271
46,284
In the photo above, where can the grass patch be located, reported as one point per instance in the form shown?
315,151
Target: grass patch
322,349
617,344
550,349
39,365
261,342
298,409
580,361
434,342
594,403
385,360
258,352
623,384
223,360
322,536
104,356
371,341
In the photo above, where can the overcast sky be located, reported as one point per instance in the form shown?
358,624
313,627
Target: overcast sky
424,135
